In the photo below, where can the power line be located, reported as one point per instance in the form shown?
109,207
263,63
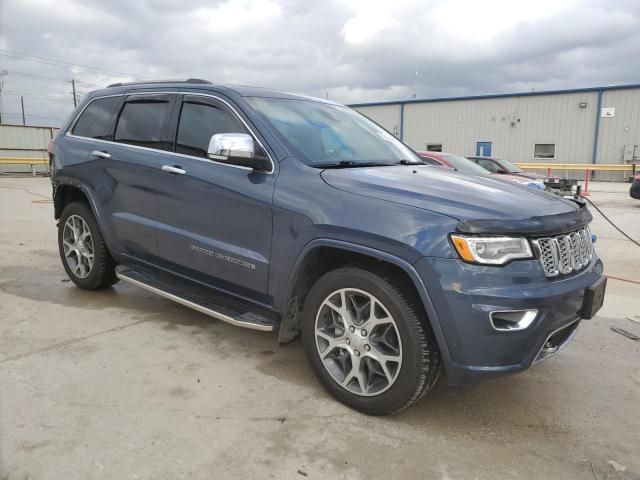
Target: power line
38,77
48,79
19,115
35,95
49,61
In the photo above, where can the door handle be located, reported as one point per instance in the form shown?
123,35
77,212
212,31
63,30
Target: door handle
176,169
98,153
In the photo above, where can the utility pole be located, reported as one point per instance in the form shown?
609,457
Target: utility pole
24,122
75,98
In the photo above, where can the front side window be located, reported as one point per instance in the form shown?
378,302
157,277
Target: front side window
143,123
97,119
326,135
198,123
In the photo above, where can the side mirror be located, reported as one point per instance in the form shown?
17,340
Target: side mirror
237,149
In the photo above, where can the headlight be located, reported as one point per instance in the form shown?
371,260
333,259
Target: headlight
491,250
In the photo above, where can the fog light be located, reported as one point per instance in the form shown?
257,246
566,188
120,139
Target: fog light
512,320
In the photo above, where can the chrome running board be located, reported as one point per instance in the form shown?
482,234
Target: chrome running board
211,304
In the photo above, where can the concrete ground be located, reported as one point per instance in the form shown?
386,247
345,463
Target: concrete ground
122,384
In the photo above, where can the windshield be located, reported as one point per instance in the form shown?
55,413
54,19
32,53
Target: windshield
510,166
323,134
465,165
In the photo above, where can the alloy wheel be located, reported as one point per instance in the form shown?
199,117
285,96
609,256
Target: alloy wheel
78,246
358,342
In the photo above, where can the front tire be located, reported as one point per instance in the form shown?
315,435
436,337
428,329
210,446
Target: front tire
368,340
84,254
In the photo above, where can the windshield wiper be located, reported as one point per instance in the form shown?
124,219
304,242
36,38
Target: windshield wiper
404,161
351,164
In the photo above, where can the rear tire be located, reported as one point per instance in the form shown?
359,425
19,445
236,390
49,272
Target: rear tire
376,363
84,254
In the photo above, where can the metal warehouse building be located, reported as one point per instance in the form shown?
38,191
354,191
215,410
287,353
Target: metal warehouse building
589,125
20,142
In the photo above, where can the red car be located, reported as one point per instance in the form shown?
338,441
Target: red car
504,167
463,164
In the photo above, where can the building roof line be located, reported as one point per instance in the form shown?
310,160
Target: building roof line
498,95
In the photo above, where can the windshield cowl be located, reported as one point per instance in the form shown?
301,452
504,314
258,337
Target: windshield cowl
354,164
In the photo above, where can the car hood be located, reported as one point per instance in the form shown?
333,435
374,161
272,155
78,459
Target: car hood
475,200
531,175
511,178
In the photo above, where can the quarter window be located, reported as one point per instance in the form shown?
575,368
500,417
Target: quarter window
97,119
544,150
434,147
198,123
143,123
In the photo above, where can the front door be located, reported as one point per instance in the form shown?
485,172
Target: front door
215,219
483,149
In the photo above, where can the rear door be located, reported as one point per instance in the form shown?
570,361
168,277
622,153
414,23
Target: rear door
140,144
216,219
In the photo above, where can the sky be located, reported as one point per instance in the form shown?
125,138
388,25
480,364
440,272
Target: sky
349,51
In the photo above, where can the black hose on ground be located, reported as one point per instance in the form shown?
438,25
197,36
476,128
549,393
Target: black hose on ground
611,222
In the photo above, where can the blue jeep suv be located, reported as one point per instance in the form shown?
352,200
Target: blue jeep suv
279,212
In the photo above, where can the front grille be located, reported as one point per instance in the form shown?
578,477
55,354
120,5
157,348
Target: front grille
565,253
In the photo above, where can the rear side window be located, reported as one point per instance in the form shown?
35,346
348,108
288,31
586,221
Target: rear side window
97,119
489,165
143,123
198,123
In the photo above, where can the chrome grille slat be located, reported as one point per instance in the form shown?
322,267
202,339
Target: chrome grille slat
563,254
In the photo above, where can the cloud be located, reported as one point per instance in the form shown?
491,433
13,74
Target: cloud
353,51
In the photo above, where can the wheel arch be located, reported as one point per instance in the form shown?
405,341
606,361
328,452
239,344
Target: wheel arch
66,192
322,255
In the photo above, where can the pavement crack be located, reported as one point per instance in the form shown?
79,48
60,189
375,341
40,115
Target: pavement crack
26,190
70,342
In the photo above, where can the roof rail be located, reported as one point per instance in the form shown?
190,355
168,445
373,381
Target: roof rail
188,80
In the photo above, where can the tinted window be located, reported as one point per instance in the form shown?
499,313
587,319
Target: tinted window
143,123
97,119
463,164
198,123
489,165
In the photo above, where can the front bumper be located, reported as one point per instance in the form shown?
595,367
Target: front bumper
463,295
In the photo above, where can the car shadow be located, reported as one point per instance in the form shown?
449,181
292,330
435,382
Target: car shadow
496,402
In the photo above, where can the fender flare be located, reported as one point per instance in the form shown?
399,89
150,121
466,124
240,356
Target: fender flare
407,267
71,182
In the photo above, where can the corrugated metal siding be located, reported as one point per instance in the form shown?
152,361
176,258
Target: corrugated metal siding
388,116
617,131
553,118
24,142
513,125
